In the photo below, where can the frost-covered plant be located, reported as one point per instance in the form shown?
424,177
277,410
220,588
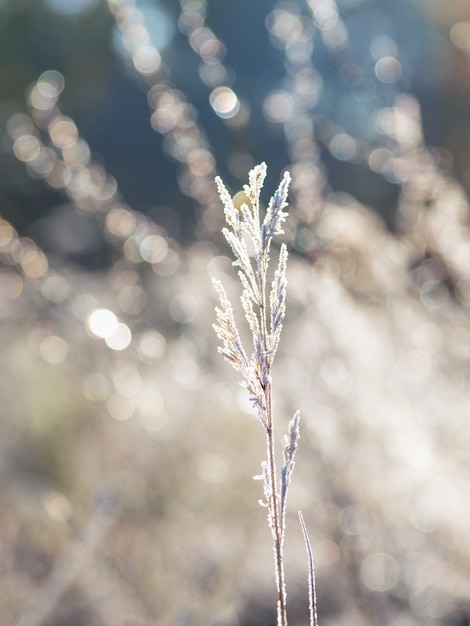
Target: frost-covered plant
249,235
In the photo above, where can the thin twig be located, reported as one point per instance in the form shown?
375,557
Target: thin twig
278,535
312,592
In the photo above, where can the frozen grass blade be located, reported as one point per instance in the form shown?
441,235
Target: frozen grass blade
312,592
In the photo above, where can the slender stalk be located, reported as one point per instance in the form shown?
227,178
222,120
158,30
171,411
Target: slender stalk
312,592
277,531
271,457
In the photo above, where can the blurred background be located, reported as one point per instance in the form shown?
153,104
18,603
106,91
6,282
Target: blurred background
128,448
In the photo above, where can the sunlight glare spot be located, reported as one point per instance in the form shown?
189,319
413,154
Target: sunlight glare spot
6,233
127,381
83,305
201,162
284,25
214,75
135,35
11,285
150,403
379,572
336,38
343,147
353,520
146,60
120,339
53,349
279,106
378,159
26,148
213,468
388,69
77,153
132,251
224,102
63,133
120,408
95,387
158,426
132,299
206,45
43,163
168,266
212,51
19,124
120,222
102,323
460,35
39,100
151,346
34,263
51,84
183,308
58,507
153,249
325,15
59,176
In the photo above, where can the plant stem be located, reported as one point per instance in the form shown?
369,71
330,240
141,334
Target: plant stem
312,592
277,530
274,501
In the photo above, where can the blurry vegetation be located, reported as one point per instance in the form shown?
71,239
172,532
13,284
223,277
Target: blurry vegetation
127,449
